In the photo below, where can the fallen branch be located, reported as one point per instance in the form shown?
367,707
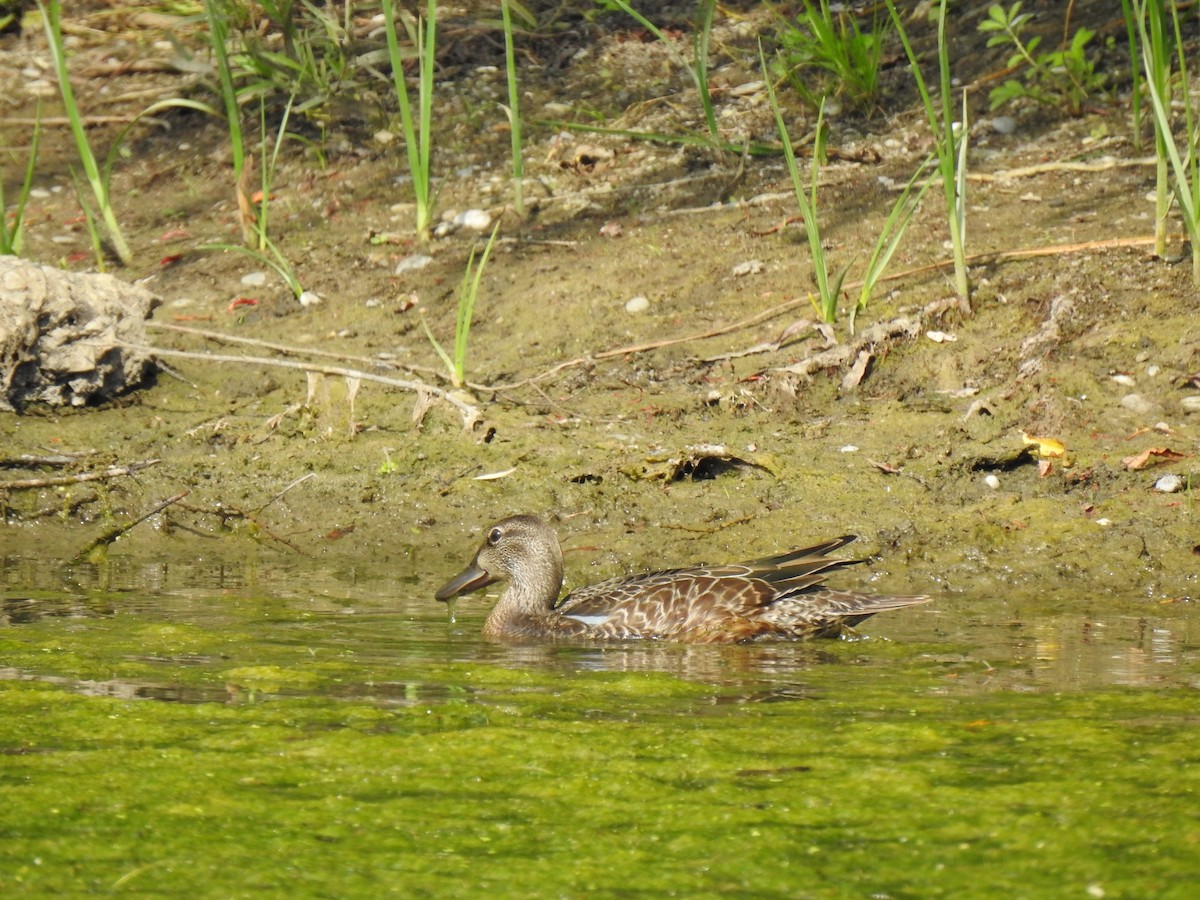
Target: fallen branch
59,480
112,534
287,348
470,413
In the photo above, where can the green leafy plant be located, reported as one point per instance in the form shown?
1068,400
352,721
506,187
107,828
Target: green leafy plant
12,230
1063,78
949,141
417,131
468,292
97,180
1185,165
834,43
294,48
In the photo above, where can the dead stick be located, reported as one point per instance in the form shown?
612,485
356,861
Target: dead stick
59,480
285,348
470,413
298,481
113,533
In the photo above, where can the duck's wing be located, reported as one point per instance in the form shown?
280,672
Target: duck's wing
677,600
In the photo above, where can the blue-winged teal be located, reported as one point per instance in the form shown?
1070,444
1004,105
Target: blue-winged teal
781,597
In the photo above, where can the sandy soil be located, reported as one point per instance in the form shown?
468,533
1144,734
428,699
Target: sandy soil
706,426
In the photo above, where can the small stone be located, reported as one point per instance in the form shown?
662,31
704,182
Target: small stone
1190,404
1136,403
849,448
254,279
385,137
309,298
1169,484
1125,380
413,263
941,337
992,481
637,305
1004,124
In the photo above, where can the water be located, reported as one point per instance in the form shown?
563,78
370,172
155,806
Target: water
252,729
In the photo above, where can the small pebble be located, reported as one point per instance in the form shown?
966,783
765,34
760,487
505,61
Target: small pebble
309,298
1152,371
749,267
476,219
941,337
254,279
992,481
1190,404
1125,380
849,448
637,305
1136,403
1169,484
412,263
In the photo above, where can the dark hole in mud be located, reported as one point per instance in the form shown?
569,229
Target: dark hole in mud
707,468
1003,463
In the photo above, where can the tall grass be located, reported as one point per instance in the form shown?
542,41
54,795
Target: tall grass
806,198
468,292
1185,165
417,131
97,180
513,111
950,142
12,236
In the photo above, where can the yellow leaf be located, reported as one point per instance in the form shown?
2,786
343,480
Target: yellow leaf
1048,448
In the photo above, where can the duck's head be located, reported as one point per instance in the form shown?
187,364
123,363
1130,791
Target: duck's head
523,549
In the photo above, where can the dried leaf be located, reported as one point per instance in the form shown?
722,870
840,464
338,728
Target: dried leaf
1152,456
1045,467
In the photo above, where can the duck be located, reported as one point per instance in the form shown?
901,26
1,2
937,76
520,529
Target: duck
781,597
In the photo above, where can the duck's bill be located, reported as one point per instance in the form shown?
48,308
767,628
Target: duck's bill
470,579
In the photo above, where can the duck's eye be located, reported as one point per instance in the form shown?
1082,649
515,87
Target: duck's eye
494,536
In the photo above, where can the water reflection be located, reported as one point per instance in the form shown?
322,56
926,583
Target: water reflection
198,622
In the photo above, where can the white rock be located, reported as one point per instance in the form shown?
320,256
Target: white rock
309,298
1136,403
254,279
1169,484
749,267
637,305
992,481
1191,404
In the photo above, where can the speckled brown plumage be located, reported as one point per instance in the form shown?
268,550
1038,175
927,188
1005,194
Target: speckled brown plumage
779,597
